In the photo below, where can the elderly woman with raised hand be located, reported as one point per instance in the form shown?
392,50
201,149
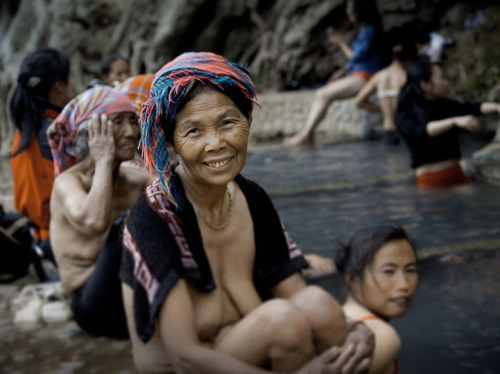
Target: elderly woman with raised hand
93,135
137,88
211,279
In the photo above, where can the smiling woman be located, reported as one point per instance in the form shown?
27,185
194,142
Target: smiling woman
379,265
211,279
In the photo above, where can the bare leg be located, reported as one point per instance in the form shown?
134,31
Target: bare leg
276,331
325,316
337,90
150,357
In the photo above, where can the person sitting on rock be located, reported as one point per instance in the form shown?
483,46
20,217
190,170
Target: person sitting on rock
365,58
430,123
92,193
379,266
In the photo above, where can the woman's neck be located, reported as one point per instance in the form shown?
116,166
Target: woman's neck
208,199
356,309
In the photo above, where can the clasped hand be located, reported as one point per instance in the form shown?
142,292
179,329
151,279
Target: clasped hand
101,142
353,357
468,122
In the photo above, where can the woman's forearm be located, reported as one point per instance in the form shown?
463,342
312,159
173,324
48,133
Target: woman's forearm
490,107
346,49
435,128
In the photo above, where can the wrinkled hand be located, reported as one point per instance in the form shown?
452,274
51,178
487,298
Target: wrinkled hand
363,340
101,141
469,123
329,362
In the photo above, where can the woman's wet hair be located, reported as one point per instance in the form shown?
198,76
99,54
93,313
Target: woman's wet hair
358,253
244,104
38,72
405,39
411,94
107,63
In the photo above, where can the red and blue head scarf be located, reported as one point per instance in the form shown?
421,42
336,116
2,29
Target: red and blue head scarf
168,93
63,132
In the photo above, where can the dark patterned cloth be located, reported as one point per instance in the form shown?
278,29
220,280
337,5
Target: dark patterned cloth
163,244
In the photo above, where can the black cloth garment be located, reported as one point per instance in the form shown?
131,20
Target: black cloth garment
412,119
98,305
163,244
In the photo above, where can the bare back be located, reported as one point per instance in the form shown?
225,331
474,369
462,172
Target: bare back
389,83
76,245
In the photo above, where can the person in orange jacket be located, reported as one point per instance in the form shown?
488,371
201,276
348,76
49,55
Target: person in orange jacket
44,86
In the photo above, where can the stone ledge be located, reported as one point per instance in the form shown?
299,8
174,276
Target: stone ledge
285,113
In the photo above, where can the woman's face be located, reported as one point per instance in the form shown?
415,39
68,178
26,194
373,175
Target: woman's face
118,72
438,86
211,138
126,133
389,282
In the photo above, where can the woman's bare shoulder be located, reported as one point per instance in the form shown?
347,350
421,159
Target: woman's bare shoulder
384,333
136,176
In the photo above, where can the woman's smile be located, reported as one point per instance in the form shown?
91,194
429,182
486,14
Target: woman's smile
218,164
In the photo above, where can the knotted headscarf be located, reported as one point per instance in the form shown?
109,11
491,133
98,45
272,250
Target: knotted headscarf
137,88
170,86
63,132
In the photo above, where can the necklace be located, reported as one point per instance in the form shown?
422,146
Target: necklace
226,221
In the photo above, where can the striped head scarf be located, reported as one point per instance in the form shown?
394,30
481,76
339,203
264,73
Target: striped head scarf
62,133
170,86
137,88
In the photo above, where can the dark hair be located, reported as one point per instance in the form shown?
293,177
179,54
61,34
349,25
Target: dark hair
244,104
38,72
411,93
367,13
106,64
404,39
353,257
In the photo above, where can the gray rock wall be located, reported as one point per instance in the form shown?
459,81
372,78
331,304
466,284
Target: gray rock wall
282,41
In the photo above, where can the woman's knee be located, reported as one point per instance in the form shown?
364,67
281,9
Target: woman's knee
323,311
322,96
285,325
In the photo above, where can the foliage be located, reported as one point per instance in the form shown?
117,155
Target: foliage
473,65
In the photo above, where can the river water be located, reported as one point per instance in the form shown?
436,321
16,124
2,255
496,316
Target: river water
326,193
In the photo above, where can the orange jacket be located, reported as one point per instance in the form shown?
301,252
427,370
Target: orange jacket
33,177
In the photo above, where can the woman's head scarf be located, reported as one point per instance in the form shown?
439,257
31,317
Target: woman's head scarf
137,88
170,86
63,132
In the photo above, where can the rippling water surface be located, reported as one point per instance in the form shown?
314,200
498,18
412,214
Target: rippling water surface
326,193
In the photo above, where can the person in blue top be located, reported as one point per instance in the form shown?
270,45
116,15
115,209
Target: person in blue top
365,59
